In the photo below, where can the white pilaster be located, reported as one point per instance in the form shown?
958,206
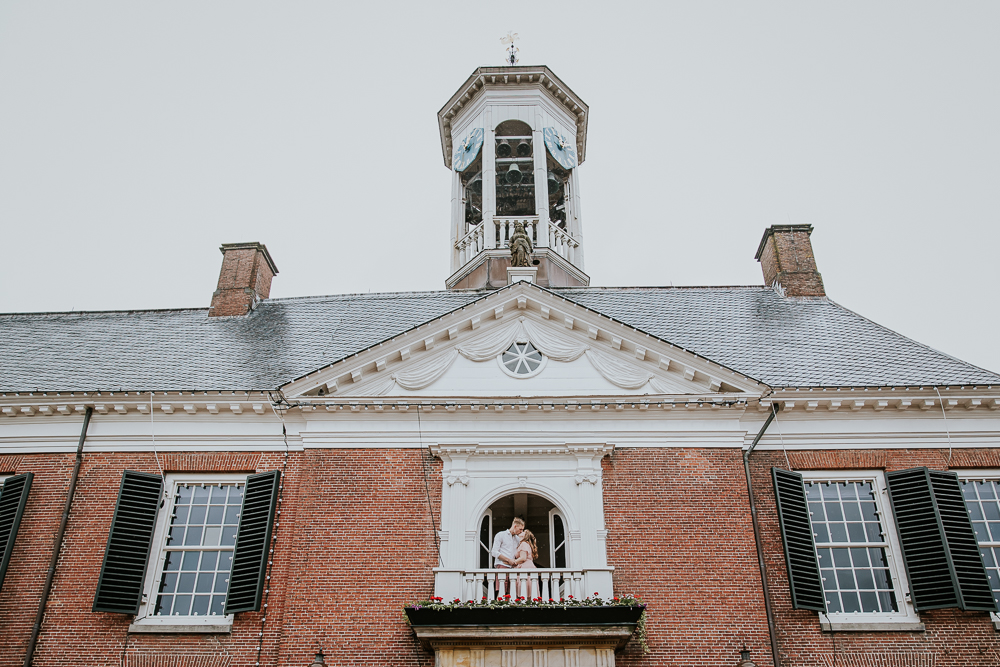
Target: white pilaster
489,179
457,217
576,224
541,183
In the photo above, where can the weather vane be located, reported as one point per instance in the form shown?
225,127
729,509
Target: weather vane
511,50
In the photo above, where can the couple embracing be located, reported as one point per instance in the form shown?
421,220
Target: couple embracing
515,548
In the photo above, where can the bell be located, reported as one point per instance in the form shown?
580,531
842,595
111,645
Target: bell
555,183
513,174
523,148
476,186
503,149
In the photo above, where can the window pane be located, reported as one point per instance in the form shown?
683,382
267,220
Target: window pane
855,578
982,499
194,580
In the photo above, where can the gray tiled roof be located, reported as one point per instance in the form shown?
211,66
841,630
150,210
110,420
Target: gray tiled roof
752,330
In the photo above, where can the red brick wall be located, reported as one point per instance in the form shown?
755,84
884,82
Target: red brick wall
952,637
71,633
364,547
354,531
355,544
680,537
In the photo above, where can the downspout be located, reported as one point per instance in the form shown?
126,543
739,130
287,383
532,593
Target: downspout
58,543
771,629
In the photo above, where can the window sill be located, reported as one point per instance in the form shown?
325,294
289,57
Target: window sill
828,624
177,625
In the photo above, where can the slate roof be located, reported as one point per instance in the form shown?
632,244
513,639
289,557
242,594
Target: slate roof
752,330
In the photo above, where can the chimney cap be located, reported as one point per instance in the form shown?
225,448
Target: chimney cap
251,246
786,229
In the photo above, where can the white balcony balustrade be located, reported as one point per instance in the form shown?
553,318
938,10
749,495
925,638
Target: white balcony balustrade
471,244
543,583
562,243
505,229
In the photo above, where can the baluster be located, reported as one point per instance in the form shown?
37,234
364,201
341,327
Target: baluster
491,585
578,584
523,587
533,592
480,238
502,585
478,590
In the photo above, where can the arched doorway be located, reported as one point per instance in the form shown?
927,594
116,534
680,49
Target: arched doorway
540,516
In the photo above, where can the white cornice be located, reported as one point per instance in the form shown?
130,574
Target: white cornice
538,77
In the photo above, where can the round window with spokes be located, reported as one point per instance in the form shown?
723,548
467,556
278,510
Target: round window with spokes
522,360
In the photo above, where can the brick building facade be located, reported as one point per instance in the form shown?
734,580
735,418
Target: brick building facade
265,479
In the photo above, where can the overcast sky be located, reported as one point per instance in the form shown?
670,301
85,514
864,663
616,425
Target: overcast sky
135,137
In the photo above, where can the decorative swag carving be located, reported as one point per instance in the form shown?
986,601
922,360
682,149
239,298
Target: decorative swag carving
486,348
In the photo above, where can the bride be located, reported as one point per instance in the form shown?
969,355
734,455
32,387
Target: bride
524,559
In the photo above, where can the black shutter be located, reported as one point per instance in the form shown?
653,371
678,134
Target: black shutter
804,581
13,497
940,549
974,592
126,557
253,538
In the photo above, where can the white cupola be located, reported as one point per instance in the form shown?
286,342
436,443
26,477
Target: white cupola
513,138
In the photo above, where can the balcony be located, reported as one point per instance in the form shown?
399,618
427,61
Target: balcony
546,583
477,240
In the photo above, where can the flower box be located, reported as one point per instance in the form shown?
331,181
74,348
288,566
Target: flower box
526,615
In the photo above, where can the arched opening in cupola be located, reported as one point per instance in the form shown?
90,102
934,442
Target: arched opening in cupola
541,517
515,169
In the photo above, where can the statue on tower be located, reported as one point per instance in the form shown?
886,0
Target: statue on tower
520,246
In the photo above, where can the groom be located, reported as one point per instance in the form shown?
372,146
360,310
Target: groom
505,544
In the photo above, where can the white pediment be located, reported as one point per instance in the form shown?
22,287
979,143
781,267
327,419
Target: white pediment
583,354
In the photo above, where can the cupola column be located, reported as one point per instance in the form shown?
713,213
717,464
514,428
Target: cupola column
574,225
541,184
457,217
489,181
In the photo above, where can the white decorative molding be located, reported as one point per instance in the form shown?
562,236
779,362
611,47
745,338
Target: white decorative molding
457,479
590,479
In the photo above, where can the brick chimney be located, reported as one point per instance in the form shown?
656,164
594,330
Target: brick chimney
786,257
245,279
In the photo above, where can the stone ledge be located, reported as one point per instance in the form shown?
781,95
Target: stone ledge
871,627
169,629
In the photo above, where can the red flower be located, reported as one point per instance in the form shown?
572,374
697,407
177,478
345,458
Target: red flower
596,594
484,597
570,597
616,599
553,599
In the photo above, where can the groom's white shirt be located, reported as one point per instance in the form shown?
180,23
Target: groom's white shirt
504,544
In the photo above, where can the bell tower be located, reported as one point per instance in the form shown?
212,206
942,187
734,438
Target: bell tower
513,138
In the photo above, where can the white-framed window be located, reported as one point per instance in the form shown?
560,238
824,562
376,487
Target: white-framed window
521,360
864,579
981,490
192,554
